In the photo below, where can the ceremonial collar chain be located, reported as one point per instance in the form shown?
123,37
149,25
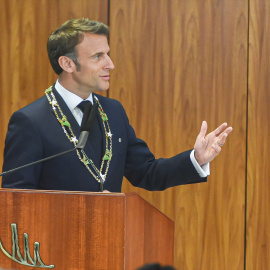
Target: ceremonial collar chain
98,174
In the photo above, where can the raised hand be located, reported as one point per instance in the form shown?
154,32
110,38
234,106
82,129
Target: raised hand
207,147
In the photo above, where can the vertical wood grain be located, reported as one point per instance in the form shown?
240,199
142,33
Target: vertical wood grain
178,63
149,234
25,71
258,186
211,220
85,231
76,231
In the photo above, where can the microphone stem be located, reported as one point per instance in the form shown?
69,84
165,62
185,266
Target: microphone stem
38,161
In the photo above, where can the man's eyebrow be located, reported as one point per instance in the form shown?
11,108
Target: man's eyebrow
99,53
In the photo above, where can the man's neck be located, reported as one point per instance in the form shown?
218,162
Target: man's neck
71,87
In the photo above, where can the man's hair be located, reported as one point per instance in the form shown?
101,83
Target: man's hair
63,40
155,266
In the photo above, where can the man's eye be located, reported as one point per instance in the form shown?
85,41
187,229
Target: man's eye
97,56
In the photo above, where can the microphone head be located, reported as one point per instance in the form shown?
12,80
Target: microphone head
87,125
92,117
87,111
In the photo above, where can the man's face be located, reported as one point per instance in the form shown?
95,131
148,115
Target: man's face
95,64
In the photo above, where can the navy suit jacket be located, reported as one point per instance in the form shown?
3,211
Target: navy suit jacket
35,133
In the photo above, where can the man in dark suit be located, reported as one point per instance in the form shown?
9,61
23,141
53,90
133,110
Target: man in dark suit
78,51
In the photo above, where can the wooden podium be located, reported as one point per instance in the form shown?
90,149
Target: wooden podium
82,231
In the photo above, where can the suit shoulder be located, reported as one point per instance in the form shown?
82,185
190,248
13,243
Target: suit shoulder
109,103
36,110
35,106
103,99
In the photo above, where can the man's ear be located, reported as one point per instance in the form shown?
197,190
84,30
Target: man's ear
66,64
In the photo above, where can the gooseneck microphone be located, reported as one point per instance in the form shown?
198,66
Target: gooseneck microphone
80,145
89,117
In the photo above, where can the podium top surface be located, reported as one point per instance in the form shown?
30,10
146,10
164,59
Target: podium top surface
61,192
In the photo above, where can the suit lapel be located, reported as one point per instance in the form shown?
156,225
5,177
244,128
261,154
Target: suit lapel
101,128
66,111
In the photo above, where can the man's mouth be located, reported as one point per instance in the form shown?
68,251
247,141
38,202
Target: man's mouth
105,77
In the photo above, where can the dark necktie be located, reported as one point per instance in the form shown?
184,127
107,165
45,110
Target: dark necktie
83,104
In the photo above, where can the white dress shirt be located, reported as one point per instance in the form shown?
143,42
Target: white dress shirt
72,101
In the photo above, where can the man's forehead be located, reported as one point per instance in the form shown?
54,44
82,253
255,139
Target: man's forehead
94,42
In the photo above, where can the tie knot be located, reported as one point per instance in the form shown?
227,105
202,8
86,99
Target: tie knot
84,104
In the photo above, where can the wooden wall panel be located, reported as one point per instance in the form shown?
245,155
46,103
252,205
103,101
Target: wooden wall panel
25,71
178,63
258,185
211,220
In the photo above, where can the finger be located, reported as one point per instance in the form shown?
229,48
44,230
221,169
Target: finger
222,137
220,129
221,140
203,129
228,130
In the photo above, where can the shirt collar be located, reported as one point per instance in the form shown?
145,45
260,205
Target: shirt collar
70,98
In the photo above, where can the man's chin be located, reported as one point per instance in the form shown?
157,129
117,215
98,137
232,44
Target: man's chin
102,86
102,89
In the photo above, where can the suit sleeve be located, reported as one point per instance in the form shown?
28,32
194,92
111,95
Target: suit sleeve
143,170
23,145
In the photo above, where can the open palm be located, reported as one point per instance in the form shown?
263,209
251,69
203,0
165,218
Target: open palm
207,147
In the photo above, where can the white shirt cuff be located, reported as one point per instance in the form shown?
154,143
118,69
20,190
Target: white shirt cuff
203,170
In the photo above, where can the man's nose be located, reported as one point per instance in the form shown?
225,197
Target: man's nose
109,64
